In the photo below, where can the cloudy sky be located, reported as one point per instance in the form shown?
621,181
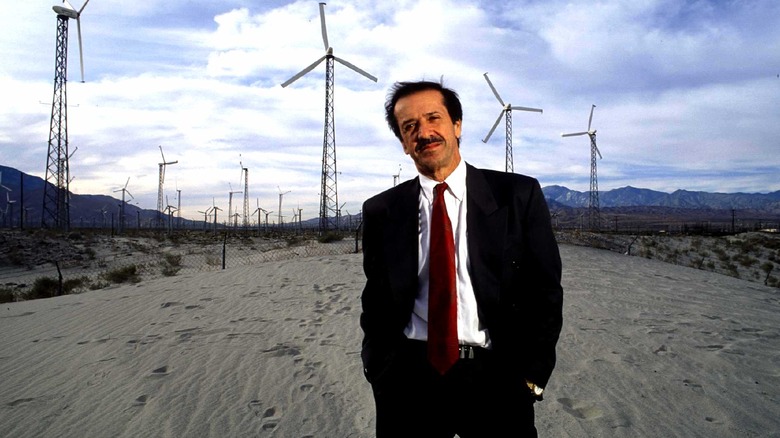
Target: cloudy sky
686,93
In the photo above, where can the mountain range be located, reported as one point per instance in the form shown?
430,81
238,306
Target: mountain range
97,210
637,197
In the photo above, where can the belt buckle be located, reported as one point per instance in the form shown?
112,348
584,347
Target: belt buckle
466,352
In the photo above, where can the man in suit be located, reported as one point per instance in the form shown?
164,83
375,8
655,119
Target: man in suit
502,291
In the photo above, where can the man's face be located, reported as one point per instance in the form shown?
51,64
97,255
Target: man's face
428,134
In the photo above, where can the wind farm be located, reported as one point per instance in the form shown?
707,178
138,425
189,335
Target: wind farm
279,132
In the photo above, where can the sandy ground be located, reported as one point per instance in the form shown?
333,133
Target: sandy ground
648,349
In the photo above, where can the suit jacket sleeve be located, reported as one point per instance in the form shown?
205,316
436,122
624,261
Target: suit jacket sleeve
516,270
390,267
540,274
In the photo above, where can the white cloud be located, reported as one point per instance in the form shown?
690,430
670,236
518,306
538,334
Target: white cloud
686,93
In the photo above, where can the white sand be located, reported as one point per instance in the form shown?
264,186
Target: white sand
648,350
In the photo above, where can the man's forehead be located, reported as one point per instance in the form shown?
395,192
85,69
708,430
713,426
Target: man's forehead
421,103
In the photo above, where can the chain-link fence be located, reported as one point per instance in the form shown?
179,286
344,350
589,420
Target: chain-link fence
37,264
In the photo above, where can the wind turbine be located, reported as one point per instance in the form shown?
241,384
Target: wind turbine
280,204
8,199
259,221
122,205
594,215
507,113
169,209
329,192
230,203
205,217
56,206
215,209
178,205
160,205
397,176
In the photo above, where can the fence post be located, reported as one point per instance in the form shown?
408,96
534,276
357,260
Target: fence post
59,277
224,245
357,236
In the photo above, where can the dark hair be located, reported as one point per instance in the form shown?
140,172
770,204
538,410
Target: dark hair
403,89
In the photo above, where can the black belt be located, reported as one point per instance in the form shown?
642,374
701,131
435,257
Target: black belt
464,351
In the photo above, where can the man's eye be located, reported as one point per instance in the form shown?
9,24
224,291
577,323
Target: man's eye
409,127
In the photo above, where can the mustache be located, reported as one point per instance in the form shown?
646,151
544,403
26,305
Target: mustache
423,142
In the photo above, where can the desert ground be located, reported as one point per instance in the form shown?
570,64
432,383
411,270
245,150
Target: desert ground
649,348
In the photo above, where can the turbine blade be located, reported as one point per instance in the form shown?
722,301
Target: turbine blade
590,119
324,29
494,90
81,49
574,134
353,67
302,73
523,108
598,151
83,6
494,127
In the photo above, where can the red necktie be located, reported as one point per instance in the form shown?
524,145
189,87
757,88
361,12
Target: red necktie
442,313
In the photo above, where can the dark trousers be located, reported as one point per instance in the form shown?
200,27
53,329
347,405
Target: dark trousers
474,399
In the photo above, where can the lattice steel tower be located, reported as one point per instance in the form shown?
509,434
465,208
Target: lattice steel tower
245,174
56,190
594,213
328,190
329,197
56,211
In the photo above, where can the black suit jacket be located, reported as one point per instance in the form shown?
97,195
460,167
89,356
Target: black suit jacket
515,269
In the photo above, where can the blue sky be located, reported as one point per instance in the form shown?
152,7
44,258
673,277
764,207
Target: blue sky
686,93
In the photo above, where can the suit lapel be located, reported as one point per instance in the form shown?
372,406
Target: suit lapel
401,239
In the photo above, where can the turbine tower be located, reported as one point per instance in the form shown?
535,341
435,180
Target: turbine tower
507,113
160,206
122,205
594,214
56,207
245,177
397,176
280,204
328,192
230,205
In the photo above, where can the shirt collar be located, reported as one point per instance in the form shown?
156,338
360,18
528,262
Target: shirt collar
456,183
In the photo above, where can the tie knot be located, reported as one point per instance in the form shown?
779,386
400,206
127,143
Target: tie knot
440,188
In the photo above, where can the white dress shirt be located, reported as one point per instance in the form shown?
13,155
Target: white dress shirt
470,332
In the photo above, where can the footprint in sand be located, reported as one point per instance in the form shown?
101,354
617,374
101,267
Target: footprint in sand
19,401
141,400
270,420
581,409
268,417
160,372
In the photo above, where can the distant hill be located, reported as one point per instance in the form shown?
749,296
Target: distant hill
636,197
100,210
85,210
